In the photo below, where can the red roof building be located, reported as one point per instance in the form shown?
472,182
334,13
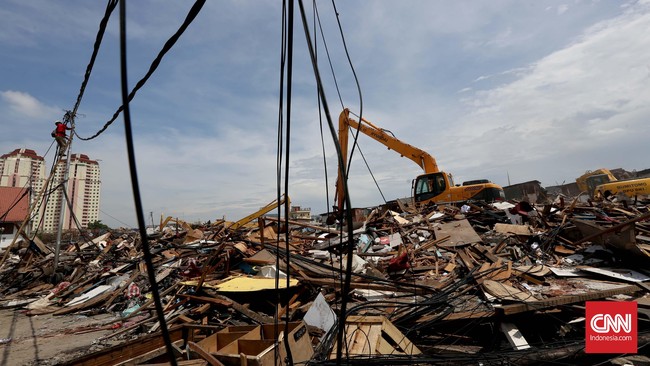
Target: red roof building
14,207
14,204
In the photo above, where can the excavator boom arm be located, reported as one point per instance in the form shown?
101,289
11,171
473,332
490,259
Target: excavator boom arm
423,159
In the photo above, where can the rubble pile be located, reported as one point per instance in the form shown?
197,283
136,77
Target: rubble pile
502,283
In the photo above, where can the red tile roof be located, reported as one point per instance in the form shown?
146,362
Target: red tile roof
23,152
14,202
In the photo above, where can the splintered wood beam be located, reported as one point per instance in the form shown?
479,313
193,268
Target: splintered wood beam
255,316
335,283
563,300
208,300
612,229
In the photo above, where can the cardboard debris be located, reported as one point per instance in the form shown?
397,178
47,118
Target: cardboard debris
374,335
524,230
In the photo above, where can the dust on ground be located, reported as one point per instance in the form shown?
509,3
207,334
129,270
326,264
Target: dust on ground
51,339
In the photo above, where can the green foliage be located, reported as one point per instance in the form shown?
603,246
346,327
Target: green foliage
98,225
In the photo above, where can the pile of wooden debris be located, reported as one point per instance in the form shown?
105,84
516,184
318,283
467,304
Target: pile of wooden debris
439,285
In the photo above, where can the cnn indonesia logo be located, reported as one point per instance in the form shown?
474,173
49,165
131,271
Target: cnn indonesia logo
611,327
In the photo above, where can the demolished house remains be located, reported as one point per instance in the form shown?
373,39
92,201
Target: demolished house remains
436,285
431,283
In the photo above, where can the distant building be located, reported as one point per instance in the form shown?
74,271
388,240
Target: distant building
643,173
300,213
83,192
569,190
14,207
532,190
25,169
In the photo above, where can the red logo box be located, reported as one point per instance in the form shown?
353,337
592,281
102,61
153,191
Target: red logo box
611,327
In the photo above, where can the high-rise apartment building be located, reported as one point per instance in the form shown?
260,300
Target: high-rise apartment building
24,168
83,193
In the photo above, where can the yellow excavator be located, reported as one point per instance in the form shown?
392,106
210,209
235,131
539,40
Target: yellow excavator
601,183
588,181
434,186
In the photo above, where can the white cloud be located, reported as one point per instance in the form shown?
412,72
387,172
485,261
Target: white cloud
26,105
538,90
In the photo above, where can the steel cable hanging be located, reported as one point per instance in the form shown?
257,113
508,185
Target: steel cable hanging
290,20
338,273
316,20
110,6
365,161
74,217
356,80
279,160
346,285
194,11
136,189
31,211
320,114
338,91
283,150
329,59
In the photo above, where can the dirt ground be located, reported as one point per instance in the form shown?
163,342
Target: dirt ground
49,339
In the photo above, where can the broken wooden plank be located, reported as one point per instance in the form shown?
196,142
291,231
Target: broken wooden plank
564,300
523,230
612,229
374,336
505,292
126,351
208,300
198,350
460,233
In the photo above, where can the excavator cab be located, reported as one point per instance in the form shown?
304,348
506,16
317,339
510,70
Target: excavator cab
428,186
596,180
439,187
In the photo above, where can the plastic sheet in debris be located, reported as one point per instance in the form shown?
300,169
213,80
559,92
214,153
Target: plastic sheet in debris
358,264
320,315
271,272
373,295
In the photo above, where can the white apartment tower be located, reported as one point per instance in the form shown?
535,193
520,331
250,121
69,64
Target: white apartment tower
83,192
24,168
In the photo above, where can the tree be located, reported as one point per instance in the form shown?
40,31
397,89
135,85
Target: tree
98,226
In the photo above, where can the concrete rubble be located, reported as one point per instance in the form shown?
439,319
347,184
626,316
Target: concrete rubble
478,284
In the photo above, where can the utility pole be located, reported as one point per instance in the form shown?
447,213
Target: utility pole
69,117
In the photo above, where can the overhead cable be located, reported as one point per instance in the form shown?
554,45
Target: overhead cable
110,6
320,112
194,11
348,216
279,160
136,190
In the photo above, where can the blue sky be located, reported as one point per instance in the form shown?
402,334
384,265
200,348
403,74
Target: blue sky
521,89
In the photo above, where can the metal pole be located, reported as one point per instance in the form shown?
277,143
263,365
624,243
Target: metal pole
64,189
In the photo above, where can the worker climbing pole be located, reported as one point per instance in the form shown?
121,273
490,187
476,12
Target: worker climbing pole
68,119
60,136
